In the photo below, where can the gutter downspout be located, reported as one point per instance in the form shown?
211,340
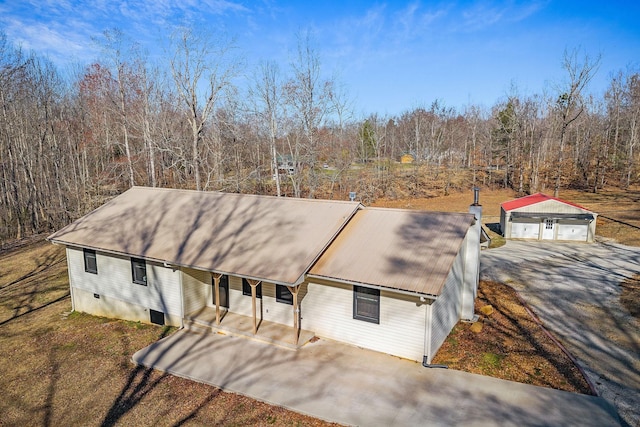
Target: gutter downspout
182,313
426,358
73,303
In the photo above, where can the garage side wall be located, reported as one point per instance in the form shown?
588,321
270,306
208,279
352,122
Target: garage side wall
327,310
112,293
504,223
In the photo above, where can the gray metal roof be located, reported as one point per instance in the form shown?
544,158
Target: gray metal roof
407,250
261,237
554,215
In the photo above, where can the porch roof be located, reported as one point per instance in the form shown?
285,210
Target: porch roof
260,237
407,250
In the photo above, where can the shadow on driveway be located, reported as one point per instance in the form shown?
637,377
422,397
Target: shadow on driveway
575,290
345,384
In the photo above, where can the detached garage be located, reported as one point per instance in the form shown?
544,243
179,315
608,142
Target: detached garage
541,217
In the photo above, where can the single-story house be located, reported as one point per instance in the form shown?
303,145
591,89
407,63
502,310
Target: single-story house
390,280
541,217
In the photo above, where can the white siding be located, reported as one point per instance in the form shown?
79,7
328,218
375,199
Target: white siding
550,206
239,303
564,229
445,311
327,310
267,308
196,287
275,311
114,282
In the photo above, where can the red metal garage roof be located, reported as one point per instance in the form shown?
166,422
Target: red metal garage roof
532,200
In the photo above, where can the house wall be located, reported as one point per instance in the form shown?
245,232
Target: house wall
267,308
119,297
196,289
327,310
198,293
446,310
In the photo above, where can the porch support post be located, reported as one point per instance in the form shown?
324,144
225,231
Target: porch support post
254,284
216,285
296,313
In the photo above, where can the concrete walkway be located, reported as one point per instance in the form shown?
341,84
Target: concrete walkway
575,290
349,385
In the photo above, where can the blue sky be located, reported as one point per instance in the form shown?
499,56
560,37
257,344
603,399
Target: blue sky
391,56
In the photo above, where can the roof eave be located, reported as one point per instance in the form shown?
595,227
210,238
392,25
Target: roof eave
171,264
373,286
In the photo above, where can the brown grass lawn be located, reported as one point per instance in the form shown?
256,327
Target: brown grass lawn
510,345
60,369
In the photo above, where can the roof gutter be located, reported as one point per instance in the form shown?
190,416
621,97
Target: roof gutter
367,285
171,264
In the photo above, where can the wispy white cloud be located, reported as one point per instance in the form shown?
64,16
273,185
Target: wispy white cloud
65,28
482,15
62,44
383,33
415,23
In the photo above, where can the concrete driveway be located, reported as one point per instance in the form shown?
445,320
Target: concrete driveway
574,289
350,385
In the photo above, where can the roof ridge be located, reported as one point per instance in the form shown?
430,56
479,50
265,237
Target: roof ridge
382,208
262,196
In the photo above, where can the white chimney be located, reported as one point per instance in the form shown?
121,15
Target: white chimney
472,260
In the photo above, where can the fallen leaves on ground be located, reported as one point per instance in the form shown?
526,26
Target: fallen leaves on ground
510,346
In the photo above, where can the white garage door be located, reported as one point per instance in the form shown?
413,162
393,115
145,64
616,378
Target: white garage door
525,229
573,230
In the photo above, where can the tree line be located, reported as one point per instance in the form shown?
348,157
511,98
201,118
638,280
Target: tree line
200,119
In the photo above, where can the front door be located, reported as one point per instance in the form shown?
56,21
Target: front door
224,291
548,230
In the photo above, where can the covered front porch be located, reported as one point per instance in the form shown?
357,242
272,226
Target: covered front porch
204,320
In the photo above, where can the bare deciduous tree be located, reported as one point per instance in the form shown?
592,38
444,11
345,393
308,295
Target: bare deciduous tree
202,69
570,103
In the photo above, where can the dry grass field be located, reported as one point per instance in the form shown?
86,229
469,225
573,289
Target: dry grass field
618,210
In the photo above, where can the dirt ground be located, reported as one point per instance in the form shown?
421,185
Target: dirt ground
510,345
